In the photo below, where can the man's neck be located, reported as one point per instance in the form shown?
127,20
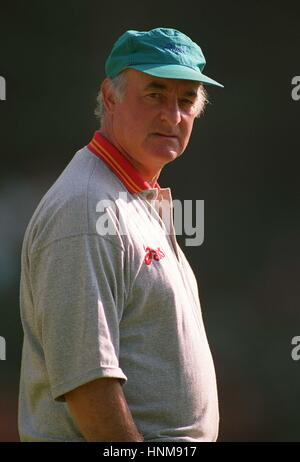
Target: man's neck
147,176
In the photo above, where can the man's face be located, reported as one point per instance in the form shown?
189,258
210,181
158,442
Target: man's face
152,123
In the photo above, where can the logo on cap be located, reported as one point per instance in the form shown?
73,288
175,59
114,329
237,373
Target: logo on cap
174,49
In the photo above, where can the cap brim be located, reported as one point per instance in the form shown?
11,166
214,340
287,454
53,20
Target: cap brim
175,71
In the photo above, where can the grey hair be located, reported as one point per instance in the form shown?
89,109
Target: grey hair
202,100
118,85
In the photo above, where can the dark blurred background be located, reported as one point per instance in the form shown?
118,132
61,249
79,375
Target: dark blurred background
243,160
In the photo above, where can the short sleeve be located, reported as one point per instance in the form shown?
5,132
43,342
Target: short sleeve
79,294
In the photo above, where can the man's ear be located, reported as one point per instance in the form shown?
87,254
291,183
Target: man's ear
108,96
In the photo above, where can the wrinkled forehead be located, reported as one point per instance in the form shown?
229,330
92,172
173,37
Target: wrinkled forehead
144,81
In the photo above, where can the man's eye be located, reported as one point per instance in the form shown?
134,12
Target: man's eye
154,95
187,101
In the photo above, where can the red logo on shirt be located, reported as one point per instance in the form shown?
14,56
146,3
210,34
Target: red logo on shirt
152,253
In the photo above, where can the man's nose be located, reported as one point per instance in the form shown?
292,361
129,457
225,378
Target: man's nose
171,112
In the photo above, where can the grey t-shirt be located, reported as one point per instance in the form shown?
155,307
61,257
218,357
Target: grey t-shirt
122,303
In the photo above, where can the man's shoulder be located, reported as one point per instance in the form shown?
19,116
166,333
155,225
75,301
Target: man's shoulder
69,207
86,176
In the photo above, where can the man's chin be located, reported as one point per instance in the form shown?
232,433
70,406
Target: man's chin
165,155
165,152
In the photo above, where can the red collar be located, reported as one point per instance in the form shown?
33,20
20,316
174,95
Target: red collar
116,161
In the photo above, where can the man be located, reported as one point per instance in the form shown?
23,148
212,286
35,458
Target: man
114,342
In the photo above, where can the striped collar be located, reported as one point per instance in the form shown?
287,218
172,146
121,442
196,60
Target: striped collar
118,163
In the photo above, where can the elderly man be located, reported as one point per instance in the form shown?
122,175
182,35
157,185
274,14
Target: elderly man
114,343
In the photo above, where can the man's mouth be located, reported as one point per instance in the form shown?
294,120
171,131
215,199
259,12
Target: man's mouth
164,135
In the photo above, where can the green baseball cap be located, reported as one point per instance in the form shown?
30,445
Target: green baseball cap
161,52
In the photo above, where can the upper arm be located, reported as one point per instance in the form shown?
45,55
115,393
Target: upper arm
101,412
78,297
93,397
